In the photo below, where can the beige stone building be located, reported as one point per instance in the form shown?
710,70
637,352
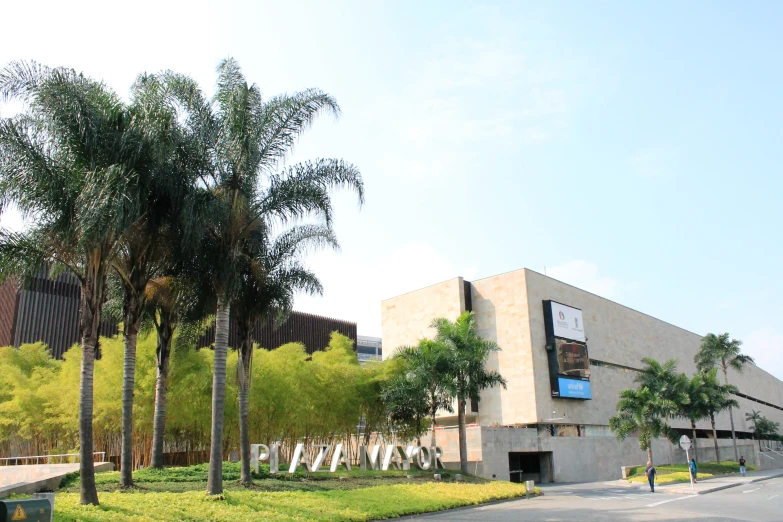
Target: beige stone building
532,430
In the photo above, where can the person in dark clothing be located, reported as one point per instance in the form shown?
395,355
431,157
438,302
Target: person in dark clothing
694,469
743,469
651,476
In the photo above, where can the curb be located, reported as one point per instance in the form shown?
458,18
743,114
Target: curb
463,508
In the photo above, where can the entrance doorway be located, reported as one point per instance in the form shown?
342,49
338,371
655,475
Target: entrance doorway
532,465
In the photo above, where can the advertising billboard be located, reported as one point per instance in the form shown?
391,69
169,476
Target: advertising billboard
572,358
569,362
574,389
567,322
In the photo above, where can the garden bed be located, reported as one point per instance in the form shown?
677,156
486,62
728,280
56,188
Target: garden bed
671,473
176,494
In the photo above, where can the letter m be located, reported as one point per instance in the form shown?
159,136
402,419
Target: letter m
370,461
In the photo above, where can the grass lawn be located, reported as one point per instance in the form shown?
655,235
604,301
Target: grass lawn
671,473
176,494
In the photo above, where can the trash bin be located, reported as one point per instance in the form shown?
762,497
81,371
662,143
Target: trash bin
530,487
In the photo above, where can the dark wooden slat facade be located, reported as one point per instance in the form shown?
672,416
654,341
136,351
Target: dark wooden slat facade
311,330
46,309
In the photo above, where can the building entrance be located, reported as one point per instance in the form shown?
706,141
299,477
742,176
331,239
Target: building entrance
535,466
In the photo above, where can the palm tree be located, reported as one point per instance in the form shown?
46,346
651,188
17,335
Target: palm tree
69,160
269,278
724,353
466,368
696,409
172,304
247,137
405,398
639,411
427,366
666,384
165,171
756,418
717,398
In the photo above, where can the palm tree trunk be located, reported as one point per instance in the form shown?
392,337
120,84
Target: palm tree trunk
128,382
89,494
89,318
715,438
215,477
731,417
463,439
649,453
164,330
695,445
244,367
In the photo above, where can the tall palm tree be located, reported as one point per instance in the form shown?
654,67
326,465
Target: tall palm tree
724,353
69,160
639,411
269,278
247,138
717,398
427,364
165,171
467,373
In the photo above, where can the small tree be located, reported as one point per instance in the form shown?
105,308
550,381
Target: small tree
724,353
763,428
406,403
467,372
640,411
427,367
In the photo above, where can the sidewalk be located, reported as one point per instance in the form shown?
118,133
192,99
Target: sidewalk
719,483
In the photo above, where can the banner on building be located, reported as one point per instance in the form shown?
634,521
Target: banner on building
566,344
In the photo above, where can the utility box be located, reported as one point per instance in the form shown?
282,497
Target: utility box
36,510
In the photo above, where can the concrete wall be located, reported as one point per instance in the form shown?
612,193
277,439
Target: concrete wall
509,311
577,459
502,316
406,318
622,336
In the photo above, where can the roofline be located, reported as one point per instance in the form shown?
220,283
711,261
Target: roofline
422,288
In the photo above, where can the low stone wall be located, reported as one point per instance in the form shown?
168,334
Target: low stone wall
576,459
25,480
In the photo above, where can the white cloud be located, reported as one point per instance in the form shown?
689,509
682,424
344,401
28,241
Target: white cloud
584,275
463,95
765,345
355,285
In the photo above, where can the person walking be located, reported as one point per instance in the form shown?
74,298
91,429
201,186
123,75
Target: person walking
743,469
694,470
651,476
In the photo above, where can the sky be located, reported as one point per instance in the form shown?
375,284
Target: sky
631,148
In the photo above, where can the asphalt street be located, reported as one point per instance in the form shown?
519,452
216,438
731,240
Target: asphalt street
757,502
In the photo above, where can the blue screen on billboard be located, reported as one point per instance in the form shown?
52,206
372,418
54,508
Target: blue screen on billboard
574,389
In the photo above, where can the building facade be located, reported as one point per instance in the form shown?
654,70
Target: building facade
46,309
369,348
566,355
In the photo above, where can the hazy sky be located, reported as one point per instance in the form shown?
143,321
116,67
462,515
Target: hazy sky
632,148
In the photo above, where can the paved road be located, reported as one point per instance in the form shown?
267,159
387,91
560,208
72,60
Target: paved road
758,502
